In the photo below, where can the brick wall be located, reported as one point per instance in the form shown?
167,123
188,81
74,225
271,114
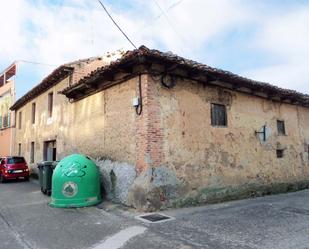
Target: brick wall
149,130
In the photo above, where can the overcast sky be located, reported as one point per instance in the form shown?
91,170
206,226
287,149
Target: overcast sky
263,40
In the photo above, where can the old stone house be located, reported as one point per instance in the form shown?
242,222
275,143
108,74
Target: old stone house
170,131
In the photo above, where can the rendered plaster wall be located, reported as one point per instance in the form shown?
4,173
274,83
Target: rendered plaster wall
5,141
101,125
6,100
203,156
45,128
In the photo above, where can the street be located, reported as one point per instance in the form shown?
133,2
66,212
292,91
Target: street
26,221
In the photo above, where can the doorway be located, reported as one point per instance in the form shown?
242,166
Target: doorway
50,151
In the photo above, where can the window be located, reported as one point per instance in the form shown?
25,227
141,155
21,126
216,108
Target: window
280,127
32,153
19,120
218,115
33,113
50,104
5,121
279,153
15,159
19,149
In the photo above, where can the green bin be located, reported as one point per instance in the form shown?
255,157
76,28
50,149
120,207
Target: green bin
40,170
46,169
75,183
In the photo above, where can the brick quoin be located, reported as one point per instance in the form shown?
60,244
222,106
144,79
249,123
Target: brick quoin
149,130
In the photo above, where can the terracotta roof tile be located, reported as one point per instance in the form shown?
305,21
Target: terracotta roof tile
168,57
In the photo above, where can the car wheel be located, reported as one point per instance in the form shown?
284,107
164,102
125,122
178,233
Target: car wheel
2,179
27,179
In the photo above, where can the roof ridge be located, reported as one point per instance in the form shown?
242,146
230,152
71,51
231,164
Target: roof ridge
174,58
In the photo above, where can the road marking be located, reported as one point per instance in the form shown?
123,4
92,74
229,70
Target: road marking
119,239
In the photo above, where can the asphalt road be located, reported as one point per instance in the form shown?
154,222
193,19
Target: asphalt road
26,221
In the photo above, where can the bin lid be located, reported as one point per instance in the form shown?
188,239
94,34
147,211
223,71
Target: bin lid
75,182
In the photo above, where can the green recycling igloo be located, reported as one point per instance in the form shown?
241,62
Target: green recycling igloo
75,183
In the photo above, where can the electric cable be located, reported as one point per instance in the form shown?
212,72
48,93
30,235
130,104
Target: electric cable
168,20
117,24
37,63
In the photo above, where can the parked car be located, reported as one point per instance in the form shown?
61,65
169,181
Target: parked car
13,167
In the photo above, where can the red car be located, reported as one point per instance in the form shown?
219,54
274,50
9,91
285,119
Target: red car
13,167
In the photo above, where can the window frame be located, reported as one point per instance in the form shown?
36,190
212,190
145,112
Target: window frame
213,121
279,153
19,149
32,144
281,127
33,113
20,116
50,104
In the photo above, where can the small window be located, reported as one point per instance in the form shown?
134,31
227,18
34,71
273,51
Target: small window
19,120
32,153
218,115
280,127
19,149
50,104
279,153
33,113
5,121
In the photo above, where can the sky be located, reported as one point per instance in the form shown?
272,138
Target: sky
265,40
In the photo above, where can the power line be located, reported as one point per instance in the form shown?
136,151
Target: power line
149,22
172,6
167,19
116,24
37,63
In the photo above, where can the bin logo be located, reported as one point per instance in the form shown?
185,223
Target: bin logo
69,189
74,169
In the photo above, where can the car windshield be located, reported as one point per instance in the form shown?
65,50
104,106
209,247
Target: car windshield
13,160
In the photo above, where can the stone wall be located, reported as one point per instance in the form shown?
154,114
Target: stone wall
103,124
207,157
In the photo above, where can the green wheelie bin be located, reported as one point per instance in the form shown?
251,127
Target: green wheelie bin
40,171
47,168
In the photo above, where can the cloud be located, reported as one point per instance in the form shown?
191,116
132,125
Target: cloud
285,39
56,32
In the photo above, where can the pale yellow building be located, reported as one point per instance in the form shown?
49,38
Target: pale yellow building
169,131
